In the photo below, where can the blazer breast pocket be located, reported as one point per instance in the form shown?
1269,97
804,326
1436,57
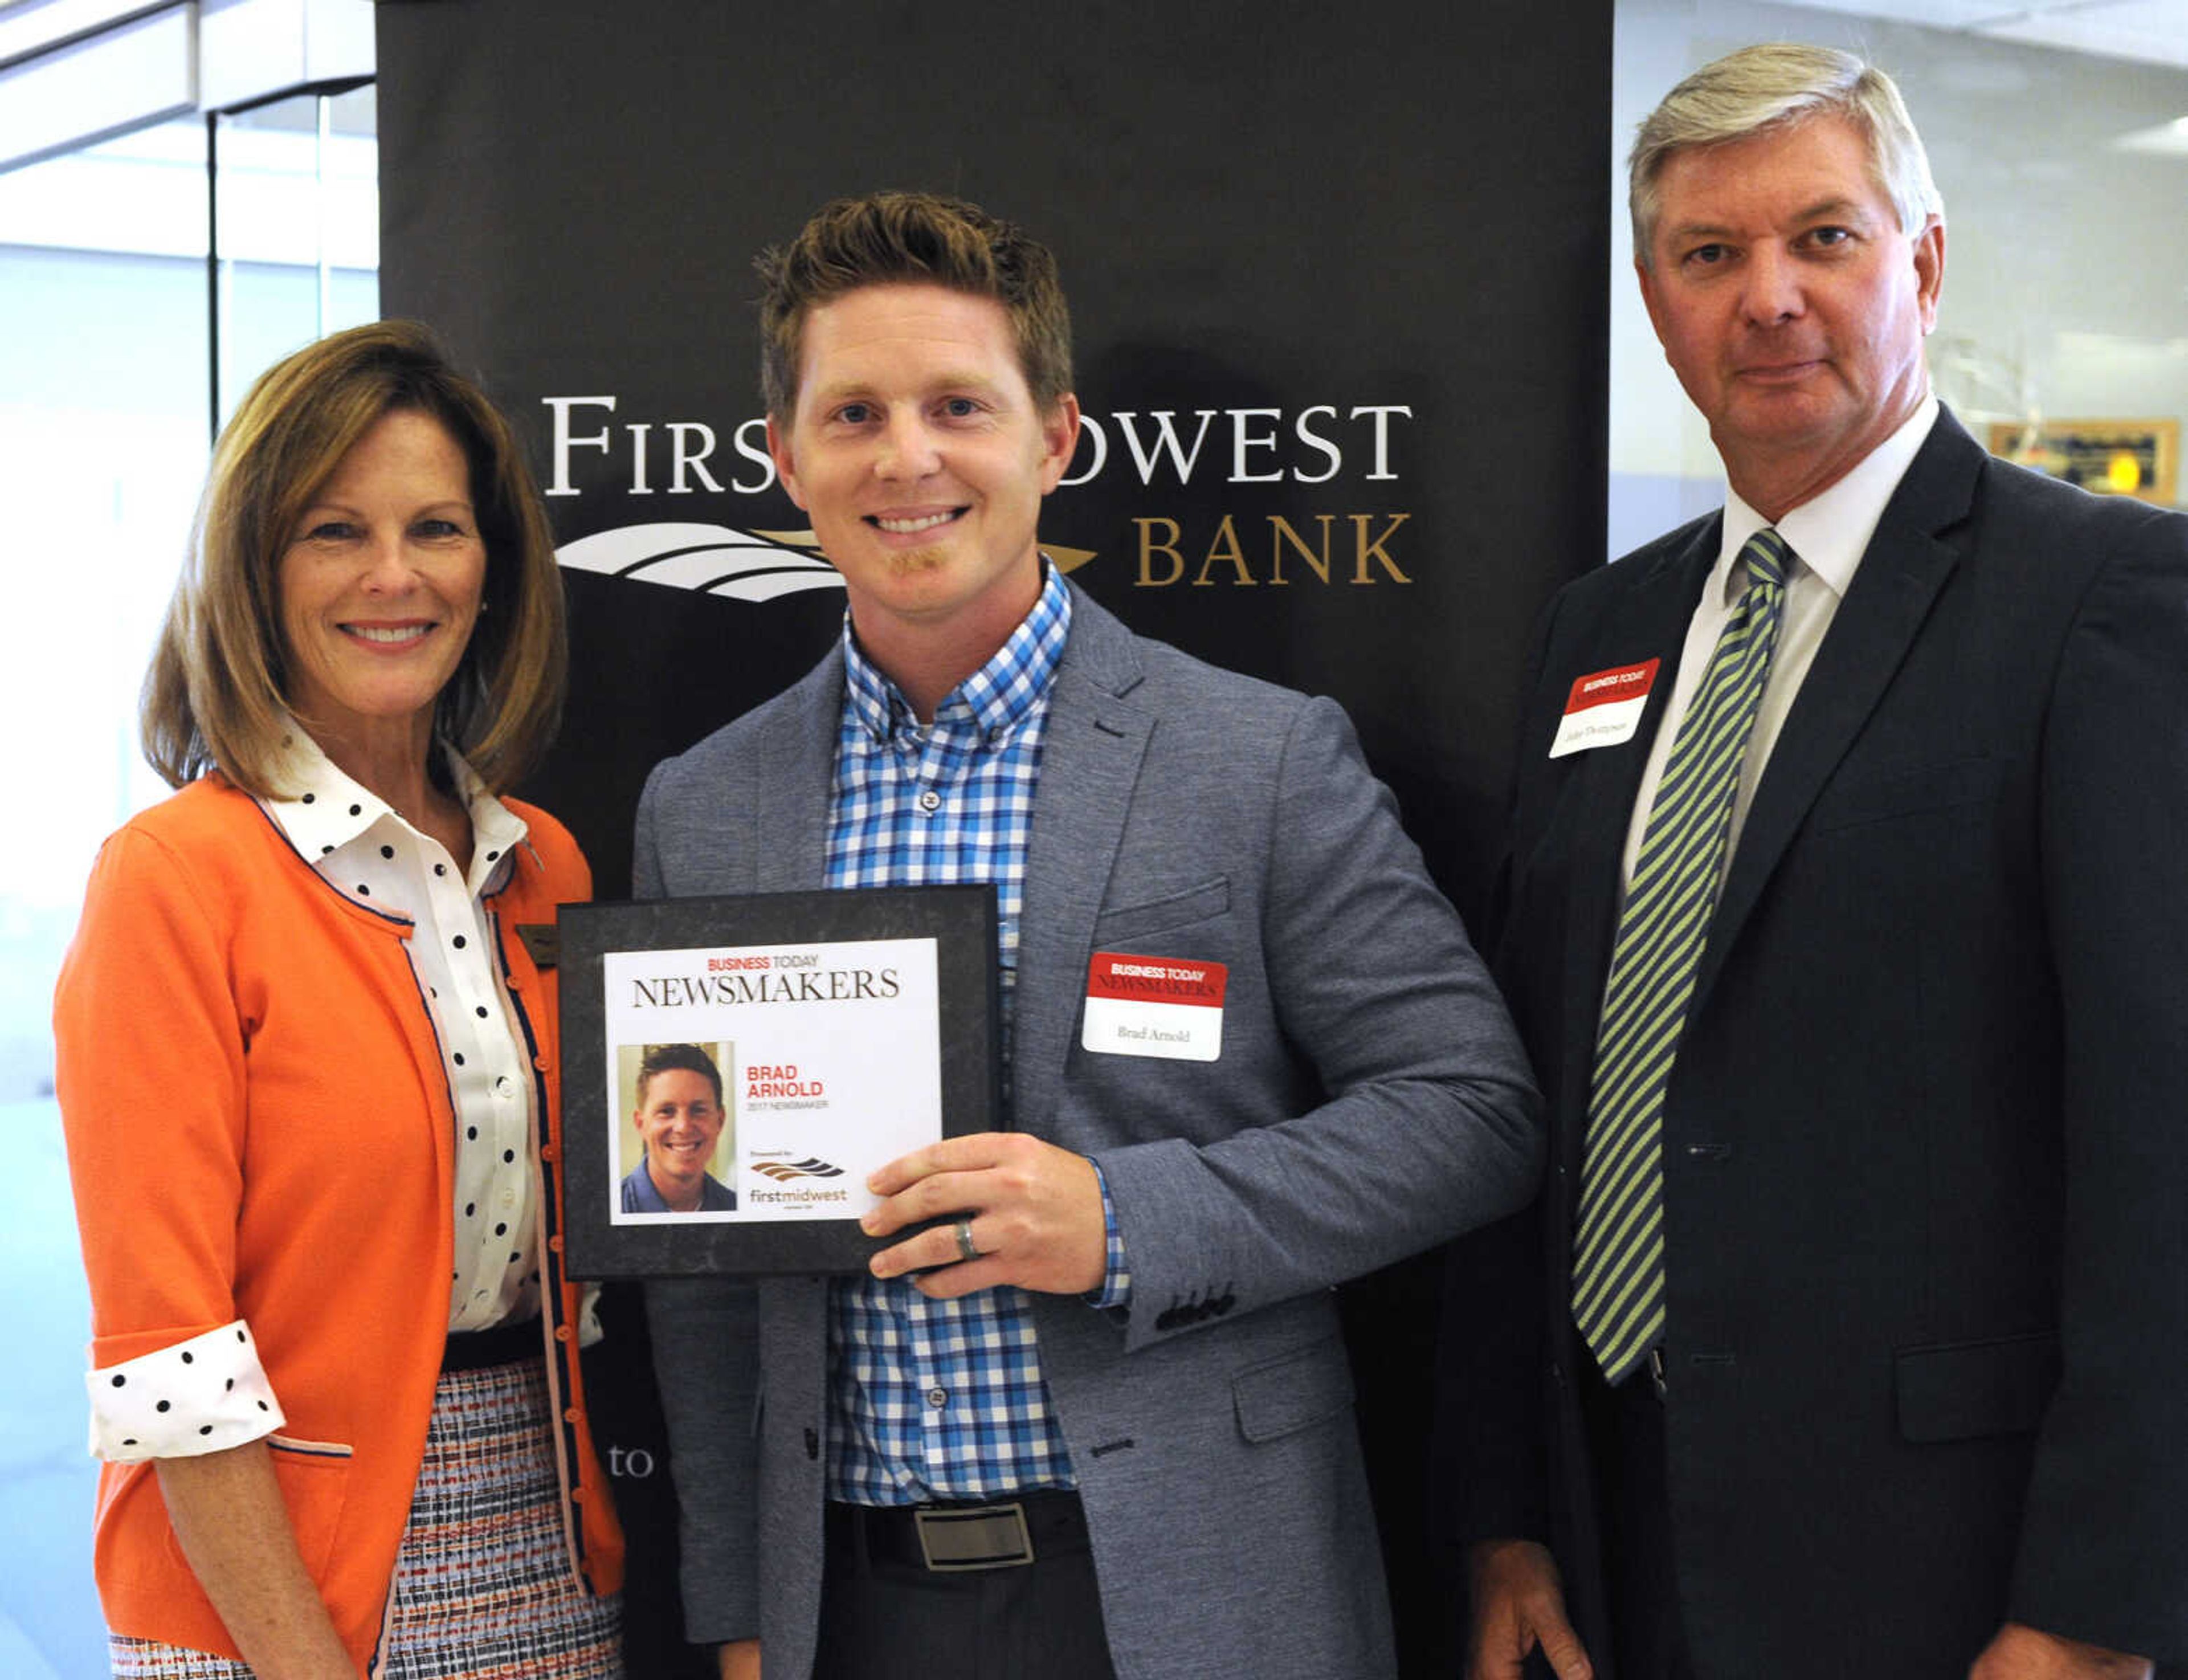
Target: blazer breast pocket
1283,1395
1156,916
1854,800
1962,1390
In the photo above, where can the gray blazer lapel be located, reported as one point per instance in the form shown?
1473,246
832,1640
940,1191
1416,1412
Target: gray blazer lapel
1090,764
798,753
1905,565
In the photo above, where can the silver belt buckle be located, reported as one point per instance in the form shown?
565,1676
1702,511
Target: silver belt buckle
973,1537
1656,1372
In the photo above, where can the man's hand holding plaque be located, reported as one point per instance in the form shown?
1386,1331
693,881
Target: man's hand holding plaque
1032,1212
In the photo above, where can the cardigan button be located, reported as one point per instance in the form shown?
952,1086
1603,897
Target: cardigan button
561,1332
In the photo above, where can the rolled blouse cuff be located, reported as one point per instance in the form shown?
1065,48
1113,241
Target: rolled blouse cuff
204,1395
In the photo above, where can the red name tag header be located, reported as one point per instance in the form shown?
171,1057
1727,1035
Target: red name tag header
1156,979
1601,688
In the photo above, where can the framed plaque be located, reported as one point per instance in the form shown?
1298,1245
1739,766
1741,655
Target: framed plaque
2139,458
733,1069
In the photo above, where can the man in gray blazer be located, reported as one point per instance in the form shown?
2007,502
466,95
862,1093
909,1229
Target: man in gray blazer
1098,1421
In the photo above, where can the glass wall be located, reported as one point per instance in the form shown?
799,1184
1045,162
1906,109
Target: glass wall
2063,174
123,340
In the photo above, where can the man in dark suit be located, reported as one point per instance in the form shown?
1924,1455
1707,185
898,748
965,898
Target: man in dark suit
1843,916
1098,1419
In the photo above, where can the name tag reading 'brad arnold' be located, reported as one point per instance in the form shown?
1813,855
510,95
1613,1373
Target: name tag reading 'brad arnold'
1154,1005
1605,708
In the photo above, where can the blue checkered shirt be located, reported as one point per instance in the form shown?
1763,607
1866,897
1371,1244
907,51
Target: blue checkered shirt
945,1399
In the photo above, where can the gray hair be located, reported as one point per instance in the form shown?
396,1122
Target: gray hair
1777,85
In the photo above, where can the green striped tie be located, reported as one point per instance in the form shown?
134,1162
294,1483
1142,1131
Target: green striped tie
1618,1255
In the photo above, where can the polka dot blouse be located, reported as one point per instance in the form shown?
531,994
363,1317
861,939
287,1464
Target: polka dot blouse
362,848
201,1395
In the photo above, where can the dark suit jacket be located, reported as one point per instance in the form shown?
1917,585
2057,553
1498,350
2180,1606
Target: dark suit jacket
1370,1102
1926,1172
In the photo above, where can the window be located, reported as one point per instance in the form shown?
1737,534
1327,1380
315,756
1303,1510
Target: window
124,343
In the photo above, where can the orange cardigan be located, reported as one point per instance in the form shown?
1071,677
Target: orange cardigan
259,1127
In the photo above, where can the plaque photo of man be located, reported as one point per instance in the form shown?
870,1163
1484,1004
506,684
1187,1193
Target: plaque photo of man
680,1130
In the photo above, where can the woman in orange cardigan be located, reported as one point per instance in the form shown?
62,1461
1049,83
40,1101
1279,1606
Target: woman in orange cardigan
308,1075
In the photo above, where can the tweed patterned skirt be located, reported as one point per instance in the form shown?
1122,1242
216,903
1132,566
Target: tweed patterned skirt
482,1588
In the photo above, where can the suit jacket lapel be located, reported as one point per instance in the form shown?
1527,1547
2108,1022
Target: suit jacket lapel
794,762
1090,764
1904,566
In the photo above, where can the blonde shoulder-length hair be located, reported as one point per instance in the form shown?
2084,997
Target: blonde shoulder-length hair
217,697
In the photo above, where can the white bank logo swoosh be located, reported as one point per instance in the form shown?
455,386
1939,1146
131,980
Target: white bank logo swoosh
711,560
715,560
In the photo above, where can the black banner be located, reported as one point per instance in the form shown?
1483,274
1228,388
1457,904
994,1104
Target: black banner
1337,280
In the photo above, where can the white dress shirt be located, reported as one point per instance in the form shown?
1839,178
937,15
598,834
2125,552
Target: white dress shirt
1828,535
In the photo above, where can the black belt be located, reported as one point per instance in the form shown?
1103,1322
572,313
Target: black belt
960,1535
502,1344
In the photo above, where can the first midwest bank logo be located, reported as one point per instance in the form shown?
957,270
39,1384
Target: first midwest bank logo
1325,450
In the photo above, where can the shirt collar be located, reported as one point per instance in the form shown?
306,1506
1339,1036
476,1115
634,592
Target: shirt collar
648,1199
1831,531
325,809
997,697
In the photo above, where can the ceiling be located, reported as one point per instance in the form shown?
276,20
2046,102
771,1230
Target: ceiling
2153,31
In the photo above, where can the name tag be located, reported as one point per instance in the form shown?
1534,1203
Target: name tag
1605,708
1154,1005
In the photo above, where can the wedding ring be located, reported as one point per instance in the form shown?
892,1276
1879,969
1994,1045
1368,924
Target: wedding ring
965,1248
